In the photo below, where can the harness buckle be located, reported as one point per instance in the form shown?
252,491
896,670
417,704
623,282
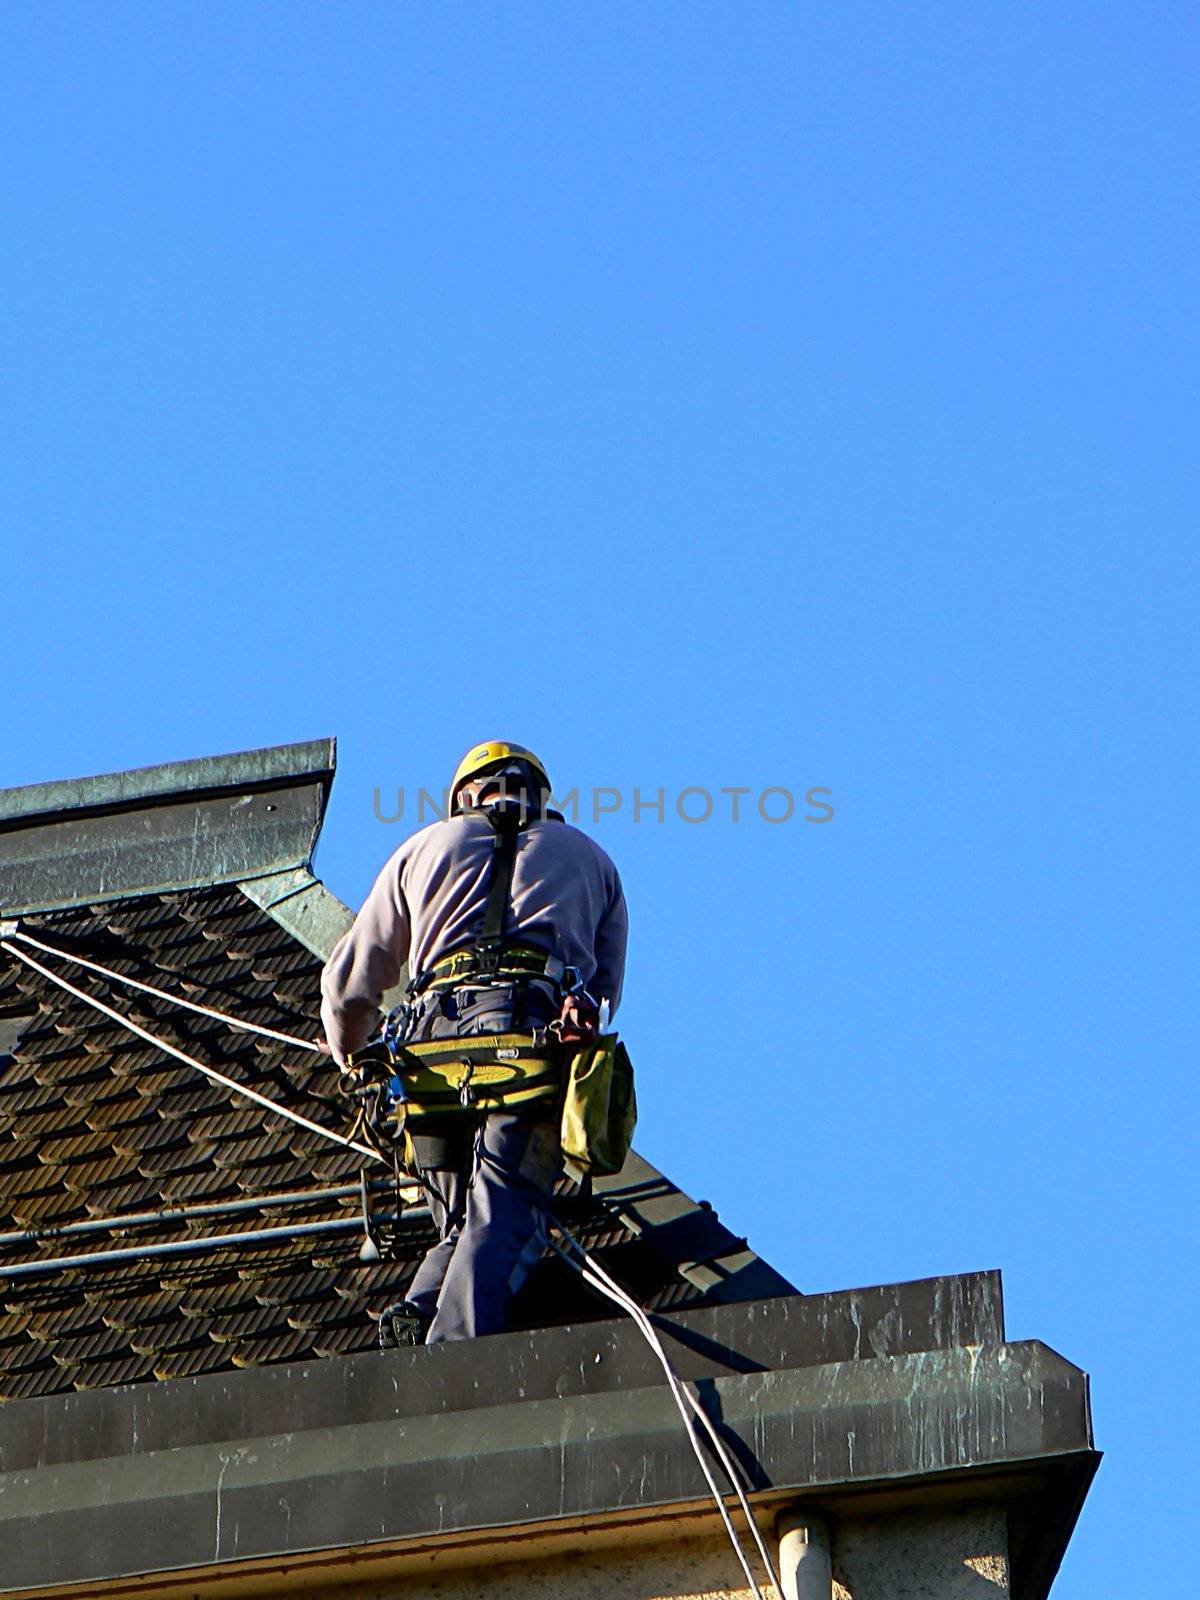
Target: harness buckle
396,1025
487,959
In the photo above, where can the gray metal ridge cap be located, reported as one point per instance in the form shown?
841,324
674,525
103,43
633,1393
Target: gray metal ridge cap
141,786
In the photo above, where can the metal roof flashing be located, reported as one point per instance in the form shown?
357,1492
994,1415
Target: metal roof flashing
903,1394
218,819
141,786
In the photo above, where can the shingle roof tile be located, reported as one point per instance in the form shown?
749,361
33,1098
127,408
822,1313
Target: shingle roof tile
293,1288
76,1147
208,1184
119,1113
242,1324
118,1198
48,1378
16,1098
346,1341
285,1346
139,1311
205,1301
45,1208
187,1363
87,1176
106,1374
102,1092
101,1343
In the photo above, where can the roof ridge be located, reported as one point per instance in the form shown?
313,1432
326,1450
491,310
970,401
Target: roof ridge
213,820
139,788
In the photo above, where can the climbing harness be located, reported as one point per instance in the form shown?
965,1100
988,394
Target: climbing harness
515,963
12,938
490,962
485,1072
402,1080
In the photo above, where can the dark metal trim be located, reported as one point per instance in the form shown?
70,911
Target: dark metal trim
189,824
937,1422
208,1208
539,1364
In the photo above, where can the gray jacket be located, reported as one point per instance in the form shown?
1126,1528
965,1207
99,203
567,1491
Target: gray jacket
429,900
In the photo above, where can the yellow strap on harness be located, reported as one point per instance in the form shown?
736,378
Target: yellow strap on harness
515,961
588,1085
483,1072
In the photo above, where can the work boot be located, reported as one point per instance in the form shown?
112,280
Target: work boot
401,1325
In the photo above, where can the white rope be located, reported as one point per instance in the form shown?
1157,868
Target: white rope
162,994
677,1394
591,1270
191,1061
594,1274
718,1443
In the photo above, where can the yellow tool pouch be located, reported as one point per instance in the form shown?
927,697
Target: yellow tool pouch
599,1110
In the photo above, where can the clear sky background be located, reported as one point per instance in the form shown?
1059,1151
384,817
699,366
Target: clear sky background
705,395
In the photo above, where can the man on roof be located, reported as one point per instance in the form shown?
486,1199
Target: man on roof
520,937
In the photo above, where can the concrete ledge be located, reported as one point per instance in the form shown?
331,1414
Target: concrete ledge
852,1424
547,1363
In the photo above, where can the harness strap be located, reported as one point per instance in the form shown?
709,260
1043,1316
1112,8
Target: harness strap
487,956
516,962
477,1047
487,1072
506,823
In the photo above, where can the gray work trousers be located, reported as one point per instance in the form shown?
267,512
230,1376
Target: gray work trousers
488,1177
489,1183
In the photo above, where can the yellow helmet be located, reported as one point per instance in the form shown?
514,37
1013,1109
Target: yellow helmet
481,756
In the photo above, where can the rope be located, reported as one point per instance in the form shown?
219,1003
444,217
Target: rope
595,1275
163,994
190,1061
592,1273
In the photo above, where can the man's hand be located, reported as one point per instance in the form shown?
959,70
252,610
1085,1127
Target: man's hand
351,1077
578,1021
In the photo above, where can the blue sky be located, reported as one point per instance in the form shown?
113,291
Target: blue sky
704,395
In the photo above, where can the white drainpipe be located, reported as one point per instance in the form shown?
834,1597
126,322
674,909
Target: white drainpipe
804,1562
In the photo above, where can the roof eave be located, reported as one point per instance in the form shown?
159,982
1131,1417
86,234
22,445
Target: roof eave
429,1447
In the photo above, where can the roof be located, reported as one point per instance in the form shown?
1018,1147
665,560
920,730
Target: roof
196,879
196,1398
